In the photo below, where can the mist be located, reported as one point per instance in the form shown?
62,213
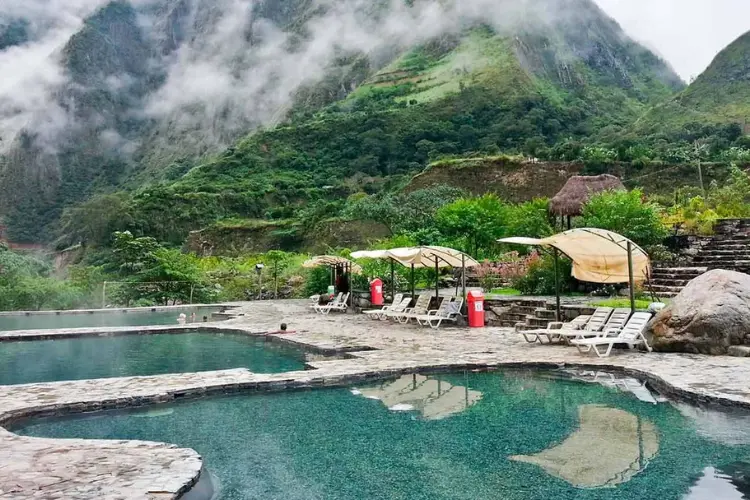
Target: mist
232,70
687,33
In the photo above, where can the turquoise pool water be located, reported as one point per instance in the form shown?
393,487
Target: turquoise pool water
100,357
96,319
510,435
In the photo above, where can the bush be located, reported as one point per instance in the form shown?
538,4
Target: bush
540,279
626,213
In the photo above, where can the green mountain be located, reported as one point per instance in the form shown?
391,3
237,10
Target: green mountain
721,94
369,115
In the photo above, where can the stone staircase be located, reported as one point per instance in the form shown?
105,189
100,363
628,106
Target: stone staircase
528,313
667,282
728,248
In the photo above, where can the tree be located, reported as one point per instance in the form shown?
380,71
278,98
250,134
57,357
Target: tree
625,213
474,224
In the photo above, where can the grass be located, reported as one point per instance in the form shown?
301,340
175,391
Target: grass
623,303
507,292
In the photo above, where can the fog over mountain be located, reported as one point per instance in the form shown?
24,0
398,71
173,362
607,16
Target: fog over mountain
688,33
98,92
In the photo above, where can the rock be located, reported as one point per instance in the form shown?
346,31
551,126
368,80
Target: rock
711,314
739,351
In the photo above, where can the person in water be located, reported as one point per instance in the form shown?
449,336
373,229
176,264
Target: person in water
192,317
181,319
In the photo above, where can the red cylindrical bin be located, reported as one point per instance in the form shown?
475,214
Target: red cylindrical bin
475,300
376,292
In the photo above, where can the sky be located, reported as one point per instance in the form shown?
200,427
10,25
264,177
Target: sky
687,33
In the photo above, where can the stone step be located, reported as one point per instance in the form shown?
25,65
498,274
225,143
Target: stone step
732,254
714,261
544,313
516,318
523,310
536,322
676,281
665,288
665,295
718,258
677,272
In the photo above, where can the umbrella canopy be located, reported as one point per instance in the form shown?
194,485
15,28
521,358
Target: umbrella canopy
332,261
598,256
425,256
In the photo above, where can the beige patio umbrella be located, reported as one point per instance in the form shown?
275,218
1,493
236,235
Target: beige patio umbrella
422,256
598,256
609,448
333,261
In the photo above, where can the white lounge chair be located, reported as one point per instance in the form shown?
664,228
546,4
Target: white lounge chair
397,308
553,331
631,334
379,313
616,321
449,310
420,307
341,305
319,307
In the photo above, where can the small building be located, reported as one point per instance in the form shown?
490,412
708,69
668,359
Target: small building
578,190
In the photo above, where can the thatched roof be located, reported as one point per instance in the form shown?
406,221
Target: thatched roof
577,191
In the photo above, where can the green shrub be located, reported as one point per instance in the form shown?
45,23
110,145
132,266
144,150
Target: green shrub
540,279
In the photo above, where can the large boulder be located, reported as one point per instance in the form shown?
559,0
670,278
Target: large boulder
711,314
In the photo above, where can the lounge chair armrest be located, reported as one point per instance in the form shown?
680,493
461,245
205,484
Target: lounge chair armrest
517,327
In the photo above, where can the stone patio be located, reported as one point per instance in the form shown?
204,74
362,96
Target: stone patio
47,468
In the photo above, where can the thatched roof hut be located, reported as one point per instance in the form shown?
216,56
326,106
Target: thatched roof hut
577,191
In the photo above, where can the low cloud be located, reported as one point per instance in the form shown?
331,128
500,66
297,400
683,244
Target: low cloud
233,69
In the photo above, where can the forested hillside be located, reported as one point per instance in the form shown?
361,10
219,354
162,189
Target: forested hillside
177,115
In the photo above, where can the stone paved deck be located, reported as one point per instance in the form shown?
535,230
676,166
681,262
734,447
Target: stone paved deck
46,468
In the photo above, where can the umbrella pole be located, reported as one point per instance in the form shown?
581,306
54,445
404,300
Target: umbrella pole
557,284
463,278
412,281
631,279
393,282
437,280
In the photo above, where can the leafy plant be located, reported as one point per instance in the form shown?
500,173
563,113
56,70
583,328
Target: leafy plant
625,213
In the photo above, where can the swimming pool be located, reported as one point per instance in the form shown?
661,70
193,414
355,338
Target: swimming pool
504,435
144,317
126,355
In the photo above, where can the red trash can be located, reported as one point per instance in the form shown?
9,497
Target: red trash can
376,292
475,300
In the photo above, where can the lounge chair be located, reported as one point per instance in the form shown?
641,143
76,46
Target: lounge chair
553,331
420,307
449,310
631,334
319,307
617,320
341,305
379,313
396,309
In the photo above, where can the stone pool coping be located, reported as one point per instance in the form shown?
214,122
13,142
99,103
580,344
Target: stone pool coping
76,312
67,469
